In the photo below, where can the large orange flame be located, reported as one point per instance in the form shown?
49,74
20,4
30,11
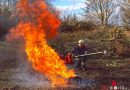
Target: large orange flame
36,23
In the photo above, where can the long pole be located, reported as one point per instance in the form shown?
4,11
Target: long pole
103,52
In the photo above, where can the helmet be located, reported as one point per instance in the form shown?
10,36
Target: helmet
81,41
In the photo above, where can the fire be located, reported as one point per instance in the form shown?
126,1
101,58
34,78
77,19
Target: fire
36,24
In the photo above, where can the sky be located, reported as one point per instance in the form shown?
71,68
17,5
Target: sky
67,7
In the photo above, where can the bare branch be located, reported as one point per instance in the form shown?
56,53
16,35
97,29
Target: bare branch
99,9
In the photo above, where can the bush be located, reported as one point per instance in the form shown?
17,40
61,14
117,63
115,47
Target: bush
83,25
68,27
115,42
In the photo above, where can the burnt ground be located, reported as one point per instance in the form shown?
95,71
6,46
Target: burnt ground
103,71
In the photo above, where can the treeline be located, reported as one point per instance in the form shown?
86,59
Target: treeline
106,13
100,26
8,17
7,9
96,13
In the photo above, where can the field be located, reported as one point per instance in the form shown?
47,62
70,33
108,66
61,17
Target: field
16,72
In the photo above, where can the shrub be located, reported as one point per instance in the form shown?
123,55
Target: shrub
114,40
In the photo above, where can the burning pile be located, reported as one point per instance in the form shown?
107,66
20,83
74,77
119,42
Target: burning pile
36,24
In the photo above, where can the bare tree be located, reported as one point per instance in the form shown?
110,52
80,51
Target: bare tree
6,9
127,11
7,6
99,10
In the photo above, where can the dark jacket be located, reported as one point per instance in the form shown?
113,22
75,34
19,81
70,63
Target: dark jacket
79,50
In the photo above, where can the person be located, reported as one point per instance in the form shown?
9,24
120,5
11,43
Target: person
80,49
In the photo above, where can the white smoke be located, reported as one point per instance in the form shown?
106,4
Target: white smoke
26,76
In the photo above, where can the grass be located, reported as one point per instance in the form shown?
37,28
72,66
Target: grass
102,70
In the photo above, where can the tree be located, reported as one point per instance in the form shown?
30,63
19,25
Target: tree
99,10
7,7
127,11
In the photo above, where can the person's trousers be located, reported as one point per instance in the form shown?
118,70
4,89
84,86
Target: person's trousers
77,63
80,63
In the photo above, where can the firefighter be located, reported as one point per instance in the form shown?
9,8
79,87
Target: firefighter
80,49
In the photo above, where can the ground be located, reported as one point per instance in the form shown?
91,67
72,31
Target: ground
103,71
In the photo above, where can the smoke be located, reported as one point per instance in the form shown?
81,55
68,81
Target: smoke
36,25
25,75
30,79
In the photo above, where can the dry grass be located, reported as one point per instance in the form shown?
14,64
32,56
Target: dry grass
97,69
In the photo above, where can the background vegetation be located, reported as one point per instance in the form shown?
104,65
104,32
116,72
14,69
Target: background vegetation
95,28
